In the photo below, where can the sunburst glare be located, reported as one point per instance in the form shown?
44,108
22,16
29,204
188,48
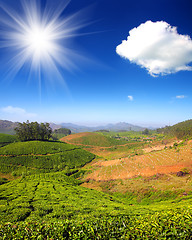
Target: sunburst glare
38,38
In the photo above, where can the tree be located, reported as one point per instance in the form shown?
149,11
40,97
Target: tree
64,131
33,131
145,132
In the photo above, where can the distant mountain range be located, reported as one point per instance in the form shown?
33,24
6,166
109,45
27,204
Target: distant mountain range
110,127
8,127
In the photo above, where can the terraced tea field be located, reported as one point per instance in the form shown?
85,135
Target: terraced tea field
34,157
51,196
53,206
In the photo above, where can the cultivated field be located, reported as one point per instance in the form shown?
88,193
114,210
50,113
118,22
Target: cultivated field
164,161
129,190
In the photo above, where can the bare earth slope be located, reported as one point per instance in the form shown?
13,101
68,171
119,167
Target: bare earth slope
164,162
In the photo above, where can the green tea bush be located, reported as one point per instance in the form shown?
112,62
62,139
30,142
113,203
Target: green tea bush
24,158
6,138
35,147
162,225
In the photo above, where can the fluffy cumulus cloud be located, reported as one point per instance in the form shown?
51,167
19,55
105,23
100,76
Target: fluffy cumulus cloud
16,113
158,47
130,98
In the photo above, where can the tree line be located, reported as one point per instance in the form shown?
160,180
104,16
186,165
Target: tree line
33,131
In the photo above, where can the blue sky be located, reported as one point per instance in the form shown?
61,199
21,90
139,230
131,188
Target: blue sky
146,81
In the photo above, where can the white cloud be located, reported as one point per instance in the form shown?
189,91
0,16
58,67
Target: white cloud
157,47
15,113
130,98
180,96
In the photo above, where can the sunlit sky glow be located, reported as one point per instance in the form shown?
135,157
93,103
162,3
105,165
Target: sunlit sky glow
96,62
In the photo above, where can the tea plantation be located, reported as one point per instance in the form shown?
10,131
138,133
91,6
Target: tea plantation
53,206
46,200
6,139
35,156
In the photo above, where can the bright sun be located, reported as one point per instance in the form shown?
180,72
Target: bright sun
37,37
39,42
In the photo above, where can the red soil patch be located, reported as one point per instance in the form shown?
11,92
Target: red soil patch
164,162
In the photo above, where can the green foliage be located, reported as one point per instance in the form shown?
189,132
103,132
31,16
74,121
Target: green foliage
64,131
3,180
53,206
33,131
36,156
52,196
6,138
50,204
102,130
97,139
35,148
164,225
60,133
180,130
146,132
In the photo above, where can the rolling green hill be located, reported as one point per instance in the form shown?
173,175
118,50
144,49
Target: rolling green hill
6,139
93,139
180,130
36,156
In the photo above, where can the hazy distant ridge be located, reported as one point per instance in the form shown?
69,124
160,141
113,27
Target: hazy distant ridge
8,127
110,127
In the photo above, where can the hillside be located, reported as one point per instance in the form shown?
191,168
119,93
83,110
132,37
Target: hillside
180,130
53,196
7,126
51,206
36,156
6,139
92,139
165,161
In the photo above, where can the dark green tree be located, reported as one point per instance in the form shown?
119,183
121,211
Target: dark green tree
64,131
146,132
33,131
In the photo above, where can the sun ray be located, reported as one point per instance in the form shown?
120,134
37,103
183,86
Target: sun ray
37,37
